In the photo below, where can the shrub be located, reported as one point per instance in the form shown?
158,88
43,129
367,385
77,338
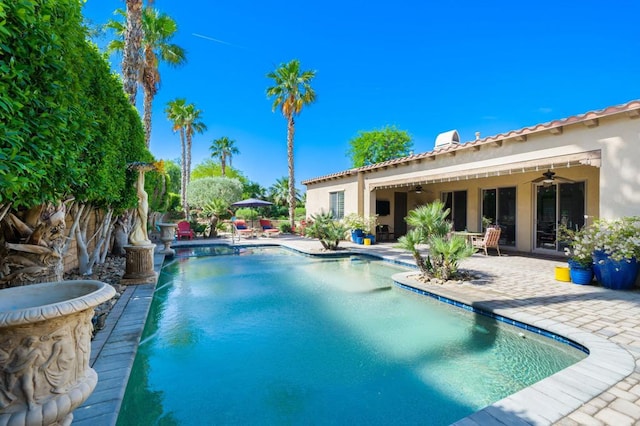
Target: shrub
430,226
327,230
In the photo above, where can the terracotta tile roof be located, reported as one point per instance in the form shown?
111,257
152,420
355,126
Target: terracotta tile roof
632,108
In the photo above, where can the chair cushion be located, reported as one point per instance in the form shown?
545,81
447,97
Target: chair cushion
241,227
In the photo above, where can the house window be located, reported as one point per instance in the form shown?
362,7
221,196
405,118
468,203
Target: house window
456,202
336,204
499,206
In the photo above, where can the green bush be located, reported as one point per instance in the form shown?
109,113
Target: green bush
67,126
327,230
247,213
285,227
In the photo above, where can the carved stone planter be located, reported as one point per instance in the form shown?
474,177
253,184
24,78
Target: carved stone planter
45,346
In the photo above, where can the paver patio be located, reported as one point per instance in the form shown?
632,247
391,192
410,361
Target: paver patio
603,389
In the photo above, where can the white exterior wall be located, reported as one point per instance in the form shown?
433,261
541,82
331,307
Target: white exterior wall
612,190
318,195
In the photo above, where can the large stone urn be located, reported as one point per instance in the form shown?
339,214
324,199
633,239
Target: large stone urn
167,235
45,346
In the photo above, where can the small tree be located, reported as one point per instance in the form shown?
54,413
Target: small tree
327,230
430,226
214,196
377,146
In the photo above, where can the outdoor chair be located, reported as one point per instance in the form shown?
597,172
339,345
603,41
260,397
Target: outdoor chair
184,230
490,239
241,229
268,229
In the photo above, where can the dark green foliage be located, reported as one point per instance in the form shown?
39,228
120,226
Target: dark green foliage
430,226
327,230
285,228
67,128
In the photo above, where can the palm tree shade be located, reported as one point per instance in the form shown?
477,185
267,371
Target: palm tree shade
223,148
291,92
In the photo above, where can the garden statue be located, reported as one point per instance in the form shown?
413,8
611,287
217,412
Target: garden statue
139,236
139,252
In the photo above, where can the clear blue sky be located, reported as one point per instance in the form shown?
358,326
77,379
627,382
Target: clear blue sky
426,67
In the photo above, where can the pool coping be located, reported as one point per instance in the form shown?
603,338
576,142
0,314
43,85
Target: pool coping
545,402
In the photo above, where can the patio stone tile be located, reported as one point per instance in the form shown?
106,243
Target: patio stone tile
613,417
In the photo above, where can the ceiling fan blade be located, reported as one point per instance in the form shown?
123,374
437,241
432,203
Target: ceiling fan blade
560,179
540,179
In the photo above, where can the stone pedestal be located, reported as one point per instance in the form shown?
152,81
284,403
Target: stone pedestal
139,265
167,234
45,348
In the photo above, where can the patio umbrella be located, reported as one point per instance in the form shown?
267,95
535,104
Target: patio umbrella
251,202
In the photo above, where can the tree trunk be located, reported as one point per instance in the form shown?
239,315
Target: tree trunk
132,43
183,178
147,105
187,177
292,183
121,229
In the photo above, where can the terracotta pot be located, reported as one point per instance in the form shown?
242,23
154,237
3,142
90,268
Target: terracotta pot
45,347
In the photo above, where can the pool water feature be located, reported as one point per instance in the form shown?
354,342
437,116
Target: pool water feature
268,336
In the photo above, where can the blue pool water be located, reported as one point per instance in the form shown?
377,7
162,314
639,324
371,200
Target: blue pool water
266,336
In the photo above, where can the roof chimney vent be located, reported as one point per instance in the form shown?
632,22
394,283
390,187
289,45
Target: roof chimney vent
447,138
477,136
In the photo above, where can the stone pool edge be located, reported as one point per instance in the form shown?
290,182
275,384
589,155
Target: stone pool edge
556,396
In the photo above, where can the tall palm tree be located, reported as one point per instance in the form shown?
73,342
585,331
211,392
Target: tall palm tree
175,114
192,125
291,92
186,120
223,148
158,28
132,42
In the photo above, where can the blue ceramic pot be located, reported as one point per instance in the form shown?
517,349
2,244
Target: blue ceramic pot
616,275
581,275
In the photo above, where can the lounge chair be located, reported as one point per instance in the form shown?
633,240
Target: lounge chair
268,229
184,230
490,239
241,229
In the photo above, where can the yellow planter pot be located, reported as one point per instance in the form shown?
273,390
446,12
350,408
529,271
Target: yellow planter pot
562,273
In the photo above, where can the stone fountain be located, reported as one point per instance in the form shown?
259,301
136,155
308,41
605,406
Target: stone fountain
45,347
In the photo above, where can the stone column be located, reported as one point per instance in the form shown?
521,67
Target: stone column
139,265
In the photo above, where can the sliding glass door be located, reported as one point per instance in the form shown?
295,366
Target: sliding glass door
499,206
558,205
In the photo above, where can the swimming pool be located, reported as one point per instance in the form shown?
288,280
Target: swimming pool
232,339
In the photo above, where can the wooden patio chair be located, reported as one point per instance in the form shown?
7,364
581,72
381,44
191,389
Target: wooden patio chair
489,240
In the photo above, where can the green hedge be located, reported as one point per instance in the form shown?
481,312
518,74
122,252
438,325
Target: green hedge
68,128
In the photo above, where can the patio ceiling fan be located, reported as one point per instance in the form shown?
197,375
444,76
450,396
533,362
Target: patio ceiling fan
549,178
417,189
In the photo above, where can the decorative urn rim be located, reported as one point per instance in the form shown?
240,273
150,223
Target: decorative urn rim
44,301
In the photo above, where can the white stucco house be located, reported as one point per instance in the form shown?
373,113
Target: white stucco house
528,181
